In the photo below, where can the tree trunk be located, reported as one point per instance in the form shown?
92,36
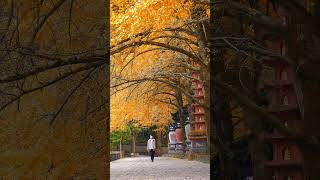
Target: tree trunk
222,123
256,147
207,111
160,139
311,99
158,143
308,95
133,143
181,115
224,133
120,148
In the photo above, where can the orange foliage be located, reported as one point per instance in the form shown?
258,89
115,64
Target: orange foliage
139,102
145,109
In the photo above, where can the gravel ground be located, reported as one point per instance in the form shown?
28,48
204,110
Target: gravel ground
163,168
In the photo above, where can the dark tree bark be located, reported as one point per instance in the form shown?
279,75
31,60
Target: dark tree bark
181,115
221,121
311,99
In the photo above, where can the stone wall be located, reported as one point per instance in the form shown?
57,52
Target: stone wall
114,155
142,150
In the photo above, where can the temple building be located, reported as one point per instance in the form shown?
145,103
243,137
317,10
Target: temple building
278,81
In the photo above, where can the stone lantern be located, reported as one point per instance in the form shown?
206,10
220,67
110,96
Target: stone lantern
172,139
187,129
179,138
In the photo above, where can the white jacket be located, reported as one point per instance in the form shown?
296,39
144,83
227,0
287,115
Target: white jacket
151,144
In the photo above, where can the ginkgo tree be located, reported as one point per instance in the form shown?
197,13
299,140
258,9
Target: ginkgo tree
153,44
231,27
124,109
188,37
53,89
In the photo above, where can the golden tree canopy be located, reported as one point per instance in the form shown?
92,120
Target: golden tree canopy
139,73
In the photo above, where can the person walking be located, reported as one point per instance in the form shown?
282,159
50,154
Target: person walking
151,147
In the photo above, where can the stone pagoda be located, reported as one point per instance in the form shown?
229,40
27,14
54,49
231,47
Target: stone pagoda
278,81
198,134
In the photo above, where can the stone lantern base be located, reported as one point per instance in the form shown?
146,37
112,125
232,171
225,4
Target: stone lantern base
199,147
179,148
134,154
188,145
171,148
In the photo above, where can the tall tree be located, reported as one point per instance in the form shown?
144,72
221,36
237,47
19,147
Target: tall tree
53,89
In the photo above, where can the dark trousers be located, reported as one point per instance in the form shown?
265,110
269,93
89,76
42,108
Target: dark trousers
152,151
